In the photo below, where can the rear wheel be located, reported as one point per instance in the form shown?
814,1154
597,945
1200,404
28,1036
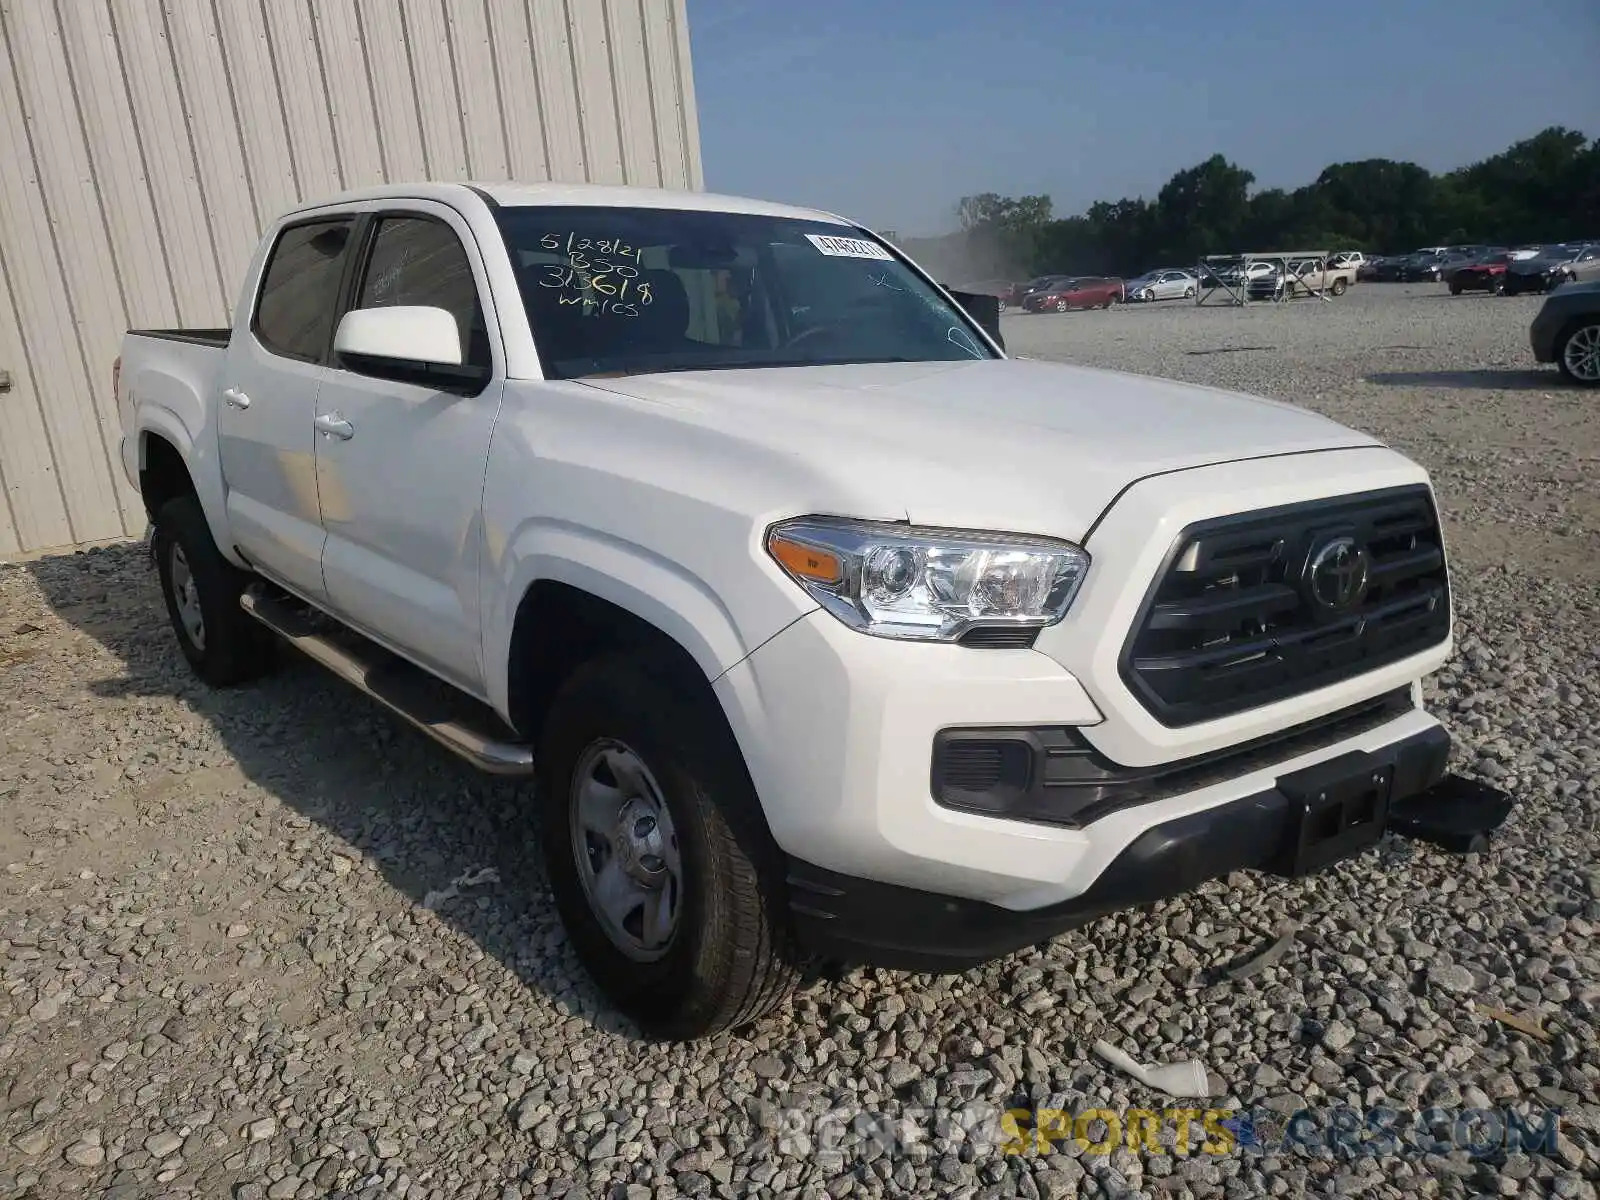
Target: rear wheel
665,876
1578,353
223,645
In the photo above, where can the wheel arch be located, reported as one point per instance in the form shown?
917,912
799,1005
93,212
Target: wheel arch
171,463
561,625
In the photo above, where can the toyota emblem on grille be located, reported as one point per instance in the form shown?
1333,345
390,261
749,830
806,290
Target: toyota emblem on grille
1337,573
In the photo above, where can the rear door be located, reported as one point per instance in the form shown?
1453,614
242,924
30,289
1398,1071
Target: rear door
270,381
401,472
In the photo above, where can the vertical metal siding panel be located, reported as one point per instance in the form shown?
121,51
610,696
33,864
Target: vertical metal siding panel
117,161
179,201
438,109
476,79
597,108
510,42
689,115
33,506
355,125
86,270
558,91
666,99
230,207
262,128
394,98
305,103
631,83
52,361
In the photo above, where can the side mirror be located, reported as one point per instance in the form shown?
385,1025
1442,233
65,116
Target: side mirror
408,343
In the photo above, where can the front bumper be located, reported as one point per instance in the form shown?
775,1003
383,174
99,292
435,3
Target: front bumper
1516,285
855,920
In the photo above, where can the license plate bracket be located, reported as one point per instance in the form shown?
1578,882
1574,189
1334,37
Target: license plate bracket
1336,809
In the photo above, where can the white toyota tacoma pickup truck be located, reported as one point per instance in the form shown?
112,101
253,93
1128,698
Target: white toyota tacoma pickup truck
831,633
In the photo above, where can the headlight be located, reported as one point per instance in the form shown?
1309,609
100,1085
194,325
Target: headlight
898,581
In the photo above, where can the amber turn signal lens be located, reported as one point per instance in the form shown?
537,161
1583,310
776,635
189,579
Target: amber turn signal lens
806,562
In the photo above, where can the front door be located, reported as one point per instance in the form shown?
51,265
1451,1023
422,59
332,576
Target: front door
269,386
401,472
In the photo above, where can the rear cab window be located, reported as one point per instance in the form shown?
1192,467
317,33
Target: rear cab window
299,292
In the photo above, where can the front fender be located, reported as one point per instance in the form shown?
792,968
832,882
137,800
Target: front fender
666,594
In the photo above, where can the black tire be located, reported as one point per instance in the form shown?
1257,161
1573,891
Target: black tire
1455,288
231,647
730,958
1061,306
1188,292
1340,286
1590,328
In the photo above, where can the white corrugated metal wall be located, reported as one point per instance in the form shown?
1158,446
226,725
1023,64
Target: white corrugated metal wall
144,145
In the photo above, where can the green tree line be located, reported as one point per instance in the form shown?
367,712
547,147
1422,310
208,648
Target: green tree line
1543,189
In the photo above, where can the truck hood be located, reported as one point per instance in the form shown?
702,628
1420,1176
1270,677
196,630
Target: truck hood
1013,444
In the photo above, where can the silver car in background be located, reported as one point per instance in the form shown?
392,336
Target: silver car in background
1162,285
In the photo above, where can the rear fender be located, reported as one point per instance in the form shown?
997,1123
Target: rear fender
196,445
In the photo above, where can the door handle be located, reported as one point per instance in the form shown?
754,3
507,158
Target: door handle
335,426
236,398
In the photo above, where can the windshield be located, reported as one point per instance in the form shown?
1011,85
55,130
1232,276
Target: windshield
630,290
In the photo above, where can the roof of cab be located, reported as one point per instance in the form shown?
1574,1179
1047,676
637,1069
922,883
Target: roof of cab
510,194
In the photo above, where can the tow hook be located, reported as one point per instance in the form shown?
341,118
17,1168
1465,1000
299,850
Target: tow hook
1456,814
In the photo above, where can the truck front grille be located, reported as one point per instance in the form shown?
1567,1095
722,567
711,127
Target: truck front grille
1255,608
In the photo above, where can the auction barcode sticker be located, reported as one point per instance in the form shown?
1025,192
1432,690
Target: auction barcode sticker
843,247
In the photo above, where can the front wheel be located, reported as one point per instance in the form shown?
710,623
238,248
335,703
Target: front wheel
1578,353
1061,306
1188,293
663,871
222,643
1455,288
1339,286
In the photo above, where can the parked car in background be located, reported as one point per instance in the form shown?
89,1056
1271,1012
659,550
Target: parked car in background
1353,259
1308,276
1258,269
1162,285
1392,269
1021,291
1372,269
1484,274
1268,283
1079,292
1566,331
1567,263
1433,267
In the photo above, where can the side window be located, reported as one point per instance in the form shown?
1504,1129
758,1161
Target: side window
300,289
418,260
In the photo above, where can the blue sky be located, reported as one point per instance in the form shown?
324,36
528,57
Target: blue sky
889,112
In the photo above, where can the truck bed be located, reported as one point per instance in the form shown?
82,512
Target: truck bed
217,338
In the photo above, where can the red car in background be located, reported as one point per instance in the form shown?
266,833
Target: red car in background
1079,292
1019,293
1485,275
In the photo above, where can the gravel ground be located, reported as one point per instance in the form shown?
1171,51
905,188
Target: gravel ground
270,943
